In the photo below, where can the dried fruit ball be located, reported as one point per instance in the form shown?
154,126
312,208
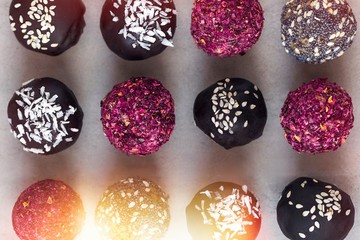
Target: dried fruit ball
48,209
314,210
138,29
231,111
316,31
138,116
226,28
45,116
224,210
317,117
47,26
132,209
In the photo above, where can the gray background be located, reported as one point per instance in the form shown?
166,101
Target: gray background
190,160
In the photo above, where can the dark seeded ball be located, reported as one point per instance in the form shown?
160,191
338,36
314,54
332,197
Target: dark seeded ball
138,29
138,116
316,31
226,28
47,26
48,209
314,210
223,210
133,209
232,112
45,116
317,117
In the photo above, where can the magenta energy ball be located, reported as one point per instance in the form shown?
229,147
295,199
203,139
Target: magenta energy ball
226,28
317,31
317,117
48,209
138,116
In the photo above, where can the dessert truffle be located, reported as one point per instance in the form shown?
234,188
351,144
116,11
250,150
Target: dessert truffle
314,210
223,210
45,116
47,26
132,209
138,116
317,31
317,117
226,28
138,29
48,209
232,112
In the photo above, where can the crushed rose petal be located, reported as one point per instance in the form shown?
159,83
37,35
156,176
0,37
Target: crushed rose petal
226,28
317,117
138,116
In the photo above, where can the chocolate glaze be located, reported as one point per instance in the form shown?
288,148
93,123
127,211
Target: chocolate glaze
244,120
299,215
246,224
64,21
49,136
113,21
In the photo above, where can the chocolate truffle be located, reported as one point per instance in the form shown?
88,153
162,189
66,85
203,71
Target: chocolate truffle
223,210
316,31
133,209
232,112
317,117
138,116
47,26
226,28
138,29
314,210
48,209
45,116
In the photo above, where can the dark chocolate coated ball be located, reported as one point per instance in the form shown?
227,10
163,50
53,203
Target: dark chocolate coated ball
47,26
232,112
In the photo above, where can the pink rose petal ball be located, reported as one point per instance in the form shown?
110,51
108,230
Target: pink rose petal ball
138,116
317,117
226,28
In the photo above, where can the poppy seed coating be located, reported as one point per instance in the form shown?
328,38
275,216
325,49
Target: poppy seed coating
316,31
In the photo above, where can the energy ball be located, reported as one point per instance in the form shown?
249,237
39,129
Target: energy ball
132,209
45,116
223,210
138,29
48,209
47,26
138,116
232,112
314,210
316,31
226,28
317,117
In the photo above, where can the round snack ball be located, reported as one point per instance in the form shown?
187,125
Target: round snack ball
48,209
45,116
226,28
138,29
138,116
232,112
314,210
47,26
134,208
317,31
223,210
317,117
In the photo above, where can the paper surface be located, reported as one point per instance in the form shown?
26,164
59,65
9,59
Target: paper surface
190,160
